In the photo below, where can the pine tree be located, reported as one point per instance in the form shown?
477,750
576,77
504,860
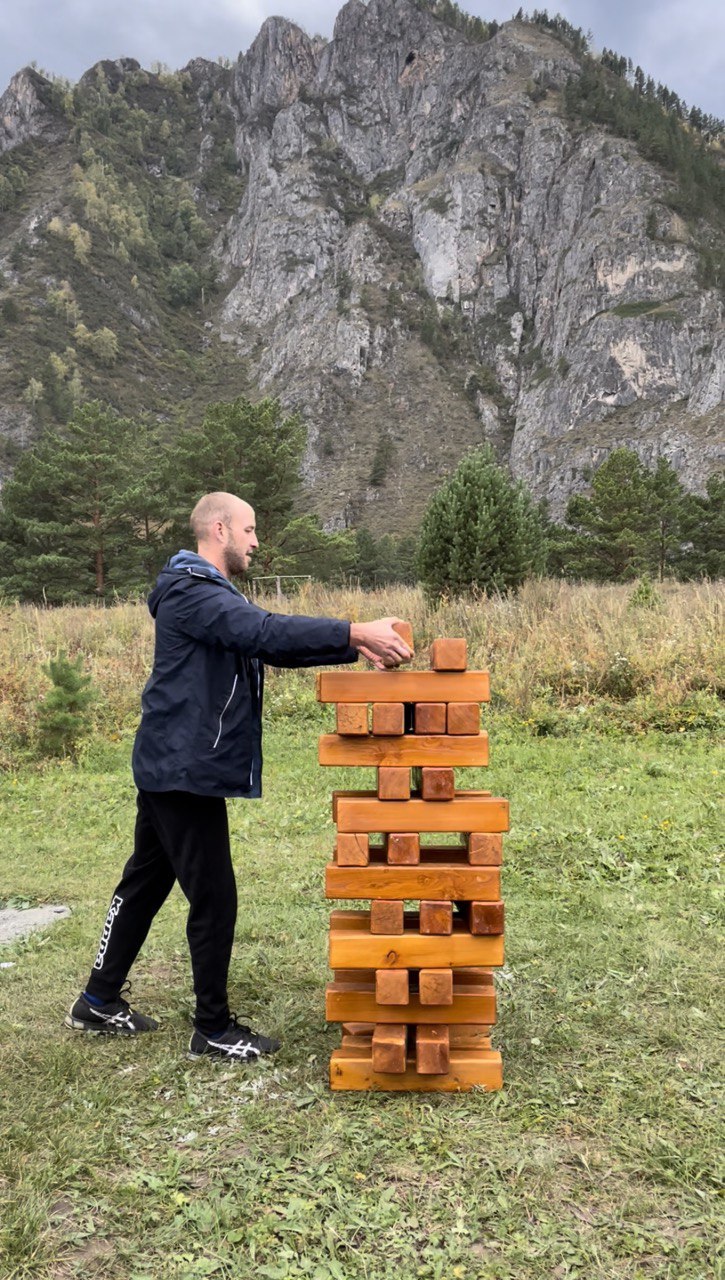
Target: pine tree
666,505
612,527
63,717
66,522
481,532
255,452
703,524
632,523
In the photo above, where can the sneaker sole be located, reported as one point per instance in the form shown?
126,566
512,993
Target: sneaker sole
92,1029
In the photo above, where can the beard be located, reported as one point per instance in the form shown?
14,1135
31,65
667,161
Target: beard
234,559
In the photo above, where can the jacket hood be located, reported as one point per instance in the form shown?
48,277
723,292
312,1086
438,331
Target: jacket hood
182,565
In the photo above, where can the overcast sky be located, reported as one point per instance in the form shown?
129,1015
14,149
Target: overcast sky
683,45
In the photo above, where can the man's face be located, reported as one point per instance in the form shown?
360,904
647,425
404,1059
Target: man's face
241,540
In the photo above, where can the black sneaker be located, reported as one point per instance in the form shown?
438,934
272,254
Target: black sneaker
237,1044
114,1018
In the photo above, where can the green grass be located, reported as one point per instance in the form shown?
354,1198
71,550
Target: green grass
598,1158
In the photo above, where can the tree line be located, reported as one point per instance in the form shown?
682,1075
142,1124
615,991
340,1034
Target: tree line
96,506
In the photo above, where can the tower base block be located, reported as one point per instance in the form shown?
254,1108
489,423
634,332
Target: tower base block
352,1068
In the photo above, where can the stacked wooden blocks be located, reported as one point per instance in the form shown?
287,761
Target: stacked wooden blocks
414,988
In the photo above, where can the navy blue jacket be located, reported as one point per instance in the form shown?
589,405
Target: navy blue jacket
201,722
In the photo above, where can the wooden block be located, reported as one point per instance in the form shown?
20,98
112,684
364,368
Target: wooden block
390,1047
355,1004
405,631
353,946
393,783
402,849
407,750
436,783
392,986
388,718
430,717
463,718
436,917
448,655
403,686
336,796
469,1068
435,986
484,917
468,811
387,916
352,718
485,850
432,1050
352,849
470,1037
436,876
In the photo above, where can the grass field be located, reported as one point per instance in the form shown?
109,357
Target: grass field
600,1156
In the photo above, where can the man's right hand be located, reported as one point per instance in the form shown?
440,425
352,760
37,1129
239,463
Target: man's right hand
380,643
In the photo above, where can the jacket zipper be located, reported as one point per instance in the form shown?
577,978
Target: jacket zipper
251,768
224,711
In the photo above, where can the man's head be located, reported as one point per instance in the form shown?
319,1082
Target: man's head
224,528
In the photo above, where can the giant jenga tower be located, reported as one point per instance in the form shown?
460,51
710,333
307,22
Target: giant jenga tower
414,989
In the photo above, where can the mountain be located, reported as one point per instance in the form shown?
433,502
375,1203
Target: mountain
425,232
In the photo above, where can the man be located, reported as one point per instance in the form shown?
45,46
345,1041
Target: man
199,741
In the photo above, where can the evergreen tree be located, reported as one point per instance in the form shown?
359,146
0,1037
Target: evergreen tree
63,717
254,451
632,524
481,532
704,531
666,504
613,527
67,512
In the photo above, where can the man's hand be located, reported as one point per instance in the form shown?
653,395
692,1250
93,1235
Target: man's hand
380,643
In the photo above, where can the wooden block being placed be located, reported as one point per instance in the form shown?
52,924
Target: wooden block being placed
388,718
436,917
353,946
435,986
485,850
468,811
386,916
432,1050
405,631
464,718
469,1068
403,848
392,986
437,784
430,717
448,655
393,784
352,718
352,849
397,748
439,873
484,917
355,1003
390,1047
403,686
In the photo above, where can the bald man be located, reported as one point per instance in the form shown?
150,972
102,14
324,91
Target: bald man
199,742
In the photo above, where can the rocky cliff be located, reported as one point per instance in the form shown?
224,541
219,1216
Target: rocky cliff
418,248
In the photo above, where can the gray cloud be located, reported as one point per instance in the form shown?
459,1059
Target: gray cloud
682,45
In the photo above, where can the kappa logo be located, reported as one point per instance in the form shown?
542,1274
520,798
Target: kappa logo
116,904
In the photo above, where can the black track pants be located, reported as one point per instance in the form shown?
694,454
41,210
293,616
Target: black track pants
181,837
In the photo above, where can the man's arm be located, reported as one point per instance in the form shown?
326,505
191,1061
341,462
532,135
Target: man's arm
216,616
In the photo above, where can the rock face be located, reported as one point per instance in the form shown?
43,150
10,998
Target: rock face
428,253
26,111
